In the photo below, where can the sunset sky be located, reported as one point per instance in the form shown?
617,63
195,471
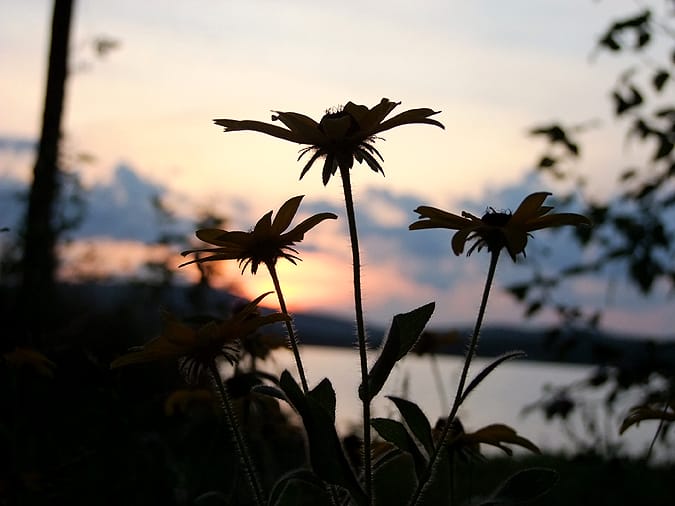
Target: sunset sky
495,69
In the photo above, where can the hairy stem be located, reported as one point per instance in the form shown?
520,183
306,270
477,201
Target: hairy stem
292,338
431,470
238,437
360,330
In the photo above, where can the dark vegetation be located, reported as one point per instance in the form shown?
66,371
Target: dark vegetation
74,432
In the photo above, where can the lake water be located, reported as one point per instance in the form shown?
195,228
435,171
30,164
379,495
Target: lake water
500,398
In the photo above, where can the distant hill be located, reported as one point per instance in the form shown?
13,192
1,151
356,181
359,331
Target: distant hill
130,313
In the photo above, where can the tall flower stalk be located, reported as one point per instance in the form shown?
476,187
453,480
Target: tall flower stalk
293,340
237,437
495,231
339,138
360,329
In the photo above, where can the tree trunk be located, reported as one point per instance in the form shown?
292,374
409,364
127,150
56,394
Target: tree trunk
39,258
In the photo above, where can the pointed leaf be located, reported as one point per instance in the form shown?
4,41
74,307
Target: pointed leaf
396,433
405,331
325,451
324,395
417,422
525,485
488,369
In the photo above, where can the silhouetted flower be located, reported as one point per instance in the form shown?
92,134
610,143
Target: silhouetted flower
264,244
198,348
497,229
341,136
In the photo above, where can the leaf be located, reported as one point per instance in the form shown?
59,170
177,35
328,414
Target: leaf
394,479
405,330
300,487
417,422
488,369
523,486
396,433
519,291
664,149
324,395
660,79
325,451
532,309
546,162
626,102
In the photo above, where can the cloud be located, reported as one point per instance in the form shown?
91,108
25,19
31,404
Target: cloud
401,269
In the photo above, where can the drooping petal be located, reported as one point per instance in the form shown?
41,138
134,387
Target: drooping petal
370,160
212,235
432,217
407,118
459,239
285,215
516,240
371,149
233,125
317,154
329,167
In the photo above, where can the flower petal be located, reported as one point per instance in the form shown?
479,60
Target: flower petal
558,220
233,125
329,168
432,217
529,207
317,154
298,232
370,119
285,215
516,240
302,126
459,239
264,225
212,258
409,117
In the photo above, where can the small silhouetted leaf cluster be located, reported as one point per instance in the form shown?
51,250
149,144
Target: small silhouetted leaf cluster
633,230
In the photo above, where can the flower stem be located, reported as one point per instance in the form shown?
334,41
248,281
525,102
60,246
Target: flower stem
292,338
433,463
238,437
360,331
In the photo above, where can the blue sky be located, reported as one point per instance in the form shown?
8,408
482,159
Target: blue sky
493,68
